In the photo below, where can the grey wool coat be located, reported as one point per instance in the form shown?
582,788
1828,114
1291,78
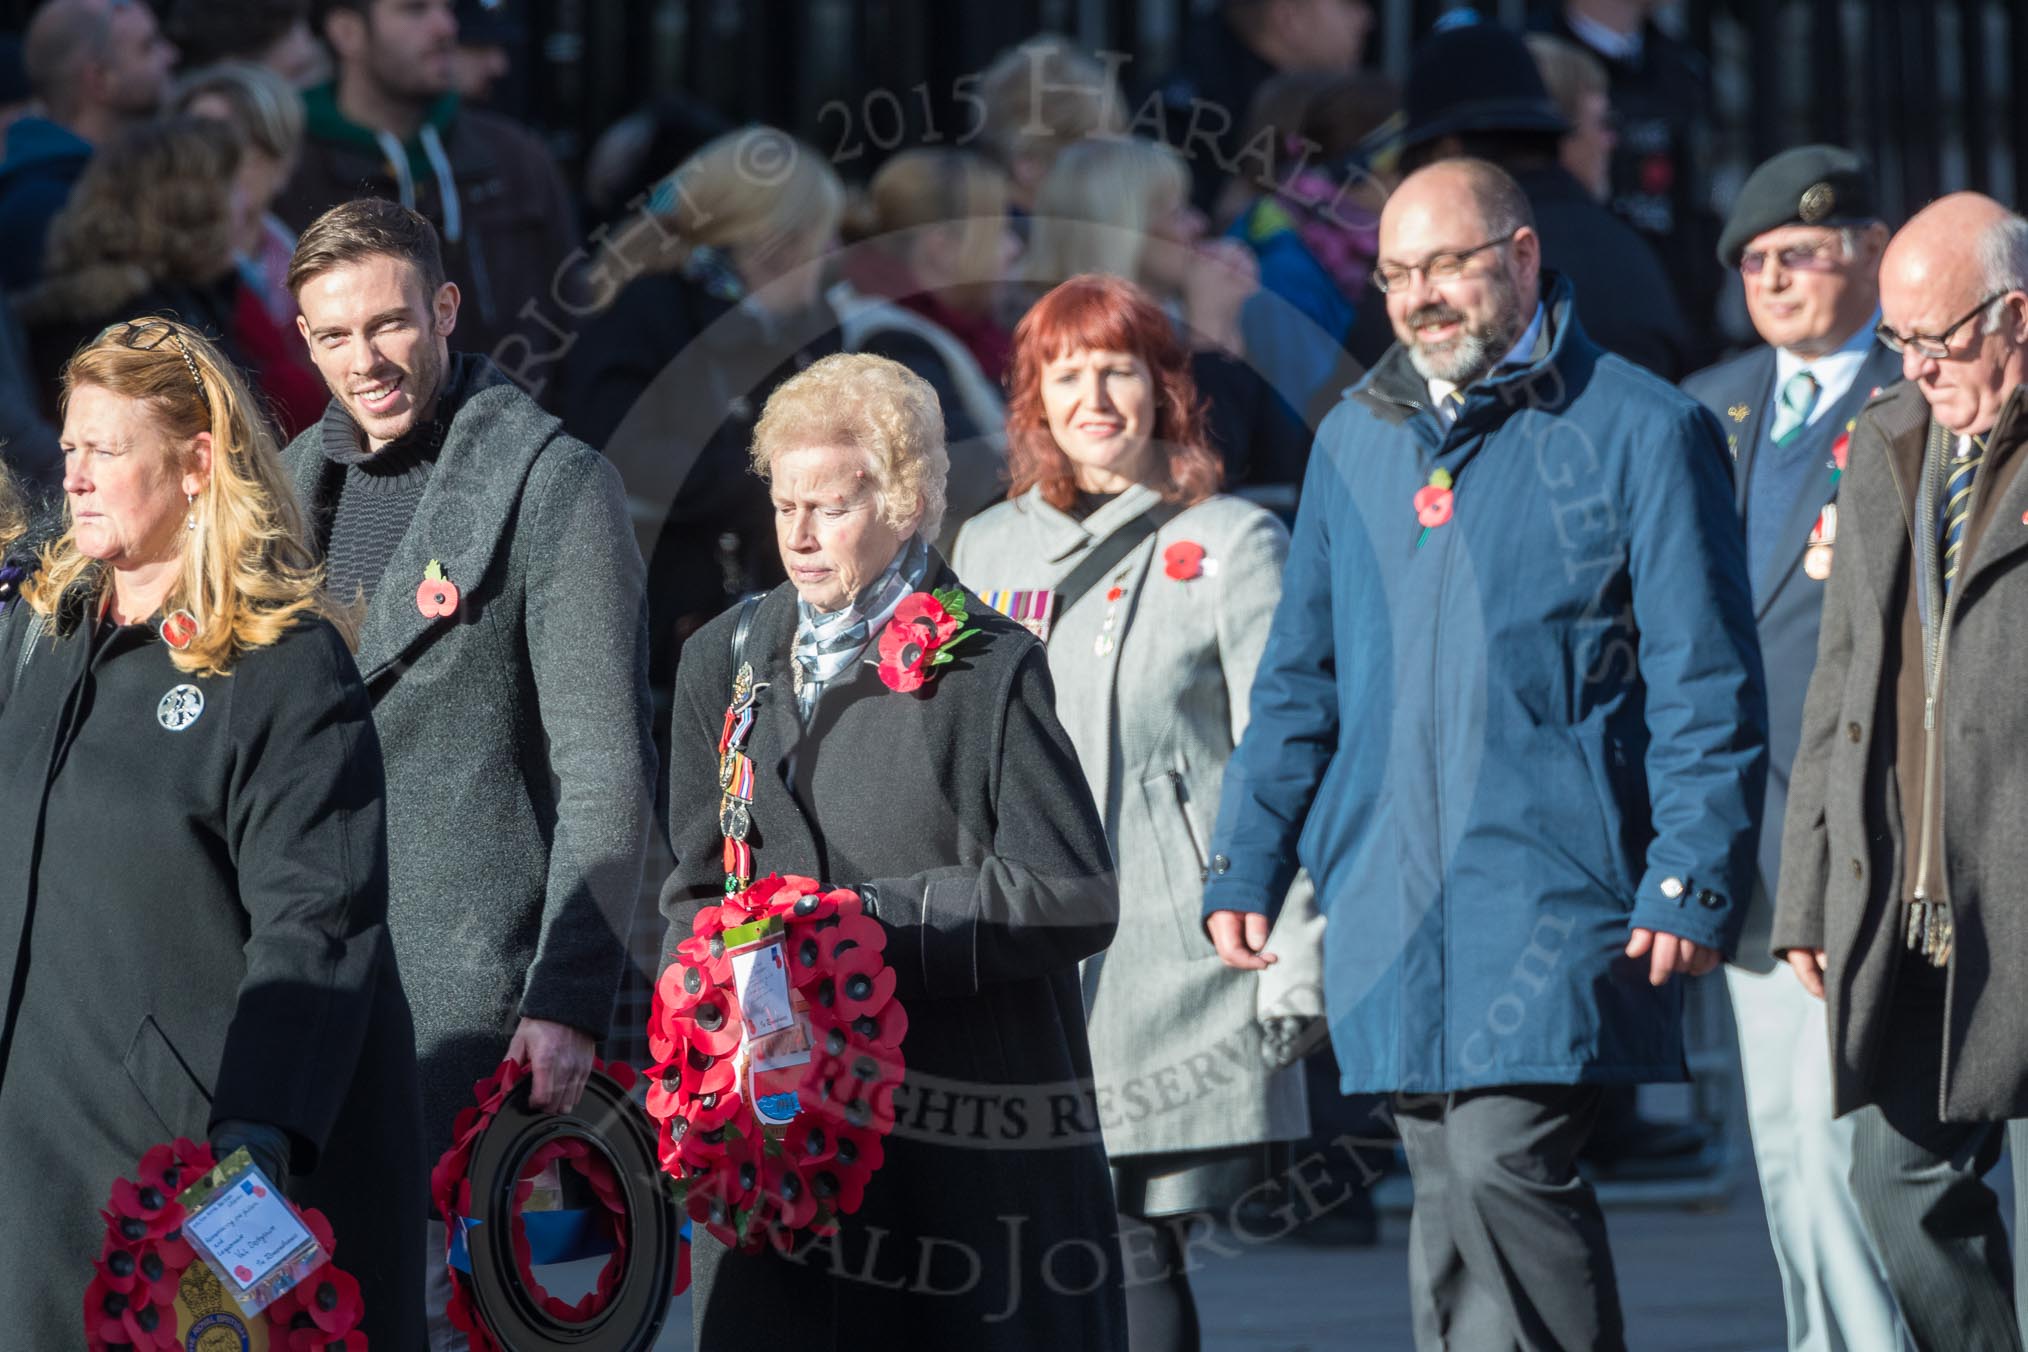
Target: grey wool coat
1844,852
1175,1033
961,810
515,732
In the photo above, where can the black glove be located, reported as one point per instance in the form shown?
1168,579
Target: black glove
269,1146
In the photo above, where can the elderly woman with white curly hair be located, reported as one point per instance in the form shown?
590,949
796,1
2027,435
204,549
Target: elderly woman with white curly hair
917,760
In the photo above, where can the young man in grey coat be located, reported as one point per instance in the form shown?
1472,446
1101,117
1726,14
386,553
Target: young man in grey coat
1901,893
504,644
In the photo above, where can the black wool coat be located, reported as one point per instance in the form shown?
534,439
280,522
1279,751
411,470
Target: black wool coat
991,1224
193,923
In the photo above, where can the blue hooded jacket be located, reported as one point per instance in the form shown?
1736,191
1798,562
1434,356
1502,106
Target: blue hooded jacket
44,162
1501,742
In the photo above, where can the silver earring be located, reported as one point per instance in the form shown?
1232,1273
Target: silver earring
190,521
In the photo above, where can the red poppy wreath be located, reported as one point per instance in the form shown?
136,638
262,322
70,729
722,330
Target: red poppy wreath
150,1290
773,1114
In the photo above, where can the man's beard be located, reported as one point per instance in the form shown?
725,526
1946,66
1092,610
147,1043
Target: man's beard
1476,350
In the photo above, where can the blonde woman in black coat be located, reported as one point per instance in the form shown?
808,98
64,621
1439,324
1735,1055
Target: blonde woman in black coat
193,880
958,812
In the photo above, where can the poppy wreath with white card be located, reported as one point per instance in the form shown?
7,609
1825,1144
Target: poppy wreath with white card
778,1045
150,1289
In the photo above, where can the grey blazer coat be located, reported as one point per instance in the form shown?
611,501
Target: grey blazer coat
1175,1034
515,733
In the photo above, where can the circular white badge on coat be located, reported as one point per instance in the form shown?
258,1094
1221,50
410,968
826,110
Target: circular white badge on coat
180,708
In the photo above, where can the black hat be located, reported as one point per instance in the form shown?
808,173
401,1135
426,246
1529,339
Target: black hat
488,23
1809,185
1475,77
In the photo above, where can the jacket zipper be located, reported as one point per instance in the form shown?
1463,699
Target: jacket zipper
1189,827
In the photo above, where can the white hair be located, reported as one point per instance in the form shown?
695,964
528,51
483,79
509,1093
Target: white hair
2003,264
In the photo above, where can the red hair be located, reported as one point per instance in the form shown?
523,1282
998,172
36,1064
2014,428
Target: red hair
1096,313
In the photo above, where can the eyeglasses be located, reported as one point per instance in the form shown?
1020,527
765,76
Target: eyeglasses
1795,258
1438,268
1921,343
145,335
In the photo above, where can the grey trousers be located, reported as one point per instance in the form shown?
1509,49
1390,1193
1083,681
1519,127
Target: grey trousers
1834,1290
1920,1185
1507,1245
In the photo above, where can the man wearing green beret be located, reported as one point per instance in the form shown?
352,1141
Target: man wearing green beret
1805,239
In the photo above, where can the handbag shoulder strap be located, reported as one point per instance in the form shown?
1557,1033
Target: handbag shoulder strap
742,628
1107,553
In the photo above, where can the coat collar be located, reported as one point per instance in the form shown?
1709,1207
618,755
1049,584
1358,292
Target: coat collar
1065,535
1396,391
465,512
2004,529
778,731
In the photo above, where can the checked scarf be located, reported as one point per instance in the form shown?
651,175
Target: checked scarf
827,646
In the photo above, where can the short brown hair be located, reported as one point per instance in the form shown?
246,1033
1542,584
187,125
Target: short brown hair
364,228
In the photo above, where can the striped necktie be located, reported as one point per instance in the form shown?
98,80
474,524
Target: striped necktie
1792,410
1958,507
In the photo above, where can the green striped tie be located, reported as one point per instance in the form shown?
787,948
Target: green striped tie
1958,509
1792,410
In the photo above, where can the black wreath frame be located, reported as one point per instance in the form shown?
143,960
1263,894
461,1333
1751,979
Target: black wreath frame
613,1124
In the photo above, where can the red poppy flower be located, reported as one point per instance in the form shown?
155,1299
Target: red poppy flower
849,935
1432,505
789,1196
139,1321
904,660
1183,560
862,982
922,612
1841,448
331,1298
889,1026
314,1339
437,596
145,1206
119,1267
711,1110
808,1142
162,1170
319,1226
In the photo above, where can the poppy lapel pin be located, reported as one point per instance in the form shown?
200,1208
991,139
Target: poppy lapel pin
1434,502
178,628
1184,560
437,597
925,627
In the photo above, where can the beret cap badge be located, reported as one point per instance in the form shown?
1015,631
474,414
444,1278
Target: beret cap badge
1818,201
